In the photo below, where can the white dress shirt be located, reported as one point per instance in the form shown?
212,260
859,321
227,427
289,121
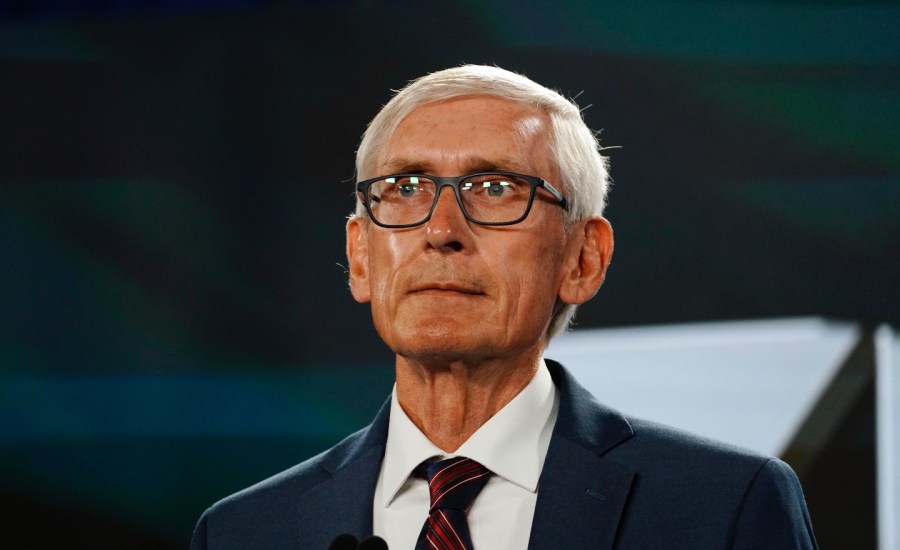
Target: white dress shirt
512,444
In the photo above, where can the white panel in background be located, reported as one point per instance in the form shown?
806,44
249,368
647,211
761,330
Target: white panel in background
750,383
887,397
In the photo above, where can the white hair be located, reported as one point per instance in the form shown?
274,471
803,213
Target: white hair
574,147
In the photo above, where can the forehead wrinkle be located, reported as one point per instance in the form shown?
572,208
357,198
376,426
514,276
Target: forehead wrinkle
473,163
530,132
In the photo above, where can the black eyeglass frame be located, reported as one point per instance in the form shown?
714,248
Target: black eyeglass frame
362,188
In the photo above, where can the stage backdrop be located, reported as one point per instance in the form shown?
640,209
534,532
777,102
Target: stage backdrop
175,176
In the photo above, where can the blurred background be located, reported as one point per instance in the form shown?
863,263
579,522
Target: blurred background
175,322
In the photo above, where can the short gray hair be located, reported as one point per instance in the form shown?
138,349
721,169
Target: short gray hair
583,170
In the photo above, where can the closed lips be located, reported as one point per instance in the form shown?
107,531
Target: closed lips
448,287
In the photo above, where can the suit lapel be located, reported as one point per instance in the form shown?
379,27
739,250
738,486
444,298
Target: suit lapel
342,503
580,500
581,495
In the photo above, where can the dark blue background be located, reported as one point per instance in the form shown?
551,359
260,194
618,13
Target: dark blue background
175,177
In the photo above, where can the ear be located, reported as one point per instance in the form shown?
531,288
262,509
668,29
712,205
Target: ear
589,254
358,258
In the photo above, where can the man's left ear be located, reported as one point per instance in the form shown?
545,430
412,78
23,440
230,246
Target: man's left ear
589,254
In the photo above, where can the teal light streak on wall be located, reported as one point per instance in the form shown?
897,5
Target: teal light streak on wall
54,41
116,272
845,118
742,32
148,449
850,215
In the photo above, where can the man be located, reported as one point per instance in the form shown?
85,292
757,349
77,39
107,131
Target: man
478,230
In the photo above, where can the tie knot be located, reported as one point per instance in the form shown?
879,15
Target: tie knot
454,482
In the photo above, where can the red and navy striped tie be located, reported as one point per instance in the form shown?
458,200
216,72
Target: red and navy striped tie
454,483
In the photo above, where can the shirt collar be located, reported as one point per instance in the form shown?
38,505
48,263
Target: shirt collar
522,428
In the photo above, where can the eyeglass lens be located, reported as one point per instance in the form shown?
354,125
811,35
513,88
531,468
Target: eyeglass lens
488,198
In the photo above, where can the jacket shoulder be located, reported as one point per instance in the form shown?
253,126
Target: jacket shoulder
673,461
676,445
268,511
741,495
298,479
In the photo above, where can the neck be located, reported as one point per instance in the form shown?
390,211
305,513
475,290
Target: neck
449,400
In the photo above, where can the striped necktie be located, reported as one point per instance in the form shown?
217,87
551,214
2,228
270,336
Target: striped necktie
453,483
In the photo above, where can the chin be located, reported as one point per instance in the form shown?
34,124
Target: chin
440,340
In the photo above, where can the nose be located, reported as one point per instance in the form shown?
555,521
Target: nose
448,228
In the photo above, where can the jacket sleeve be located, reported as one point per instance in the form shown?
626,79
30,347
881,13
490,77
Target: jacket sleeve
773,513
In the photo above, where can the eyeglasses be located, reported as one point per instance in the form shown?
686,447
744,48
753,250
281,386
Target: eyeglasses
485,198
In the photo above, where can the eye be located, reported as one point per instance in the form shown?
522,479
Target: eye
491,186
496,188
405,187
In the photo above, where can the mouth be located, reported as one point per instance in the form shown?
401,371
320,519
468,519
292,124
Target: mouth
447,289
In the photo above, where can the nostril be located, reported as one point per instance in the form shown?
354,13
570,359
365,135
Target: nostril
455,246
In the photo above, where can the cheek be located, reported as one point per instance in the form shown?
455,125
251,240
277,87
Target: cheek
386,257
394,245
529,275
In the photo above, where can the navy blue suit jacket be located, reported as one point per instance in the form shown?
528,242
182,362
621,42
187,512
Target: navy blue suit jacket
608,482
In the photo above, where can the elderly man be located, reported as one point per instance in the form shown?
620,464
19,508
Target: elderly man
477,232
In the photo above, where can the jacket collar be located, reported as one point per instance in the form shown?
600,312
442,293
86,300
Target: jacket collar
342,503
581,495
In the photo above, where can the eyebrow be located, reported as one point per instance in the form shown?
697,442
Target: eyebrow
474,164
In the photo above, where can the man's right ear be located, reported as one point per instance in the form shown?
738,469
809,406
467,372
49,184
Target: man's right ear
358,258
